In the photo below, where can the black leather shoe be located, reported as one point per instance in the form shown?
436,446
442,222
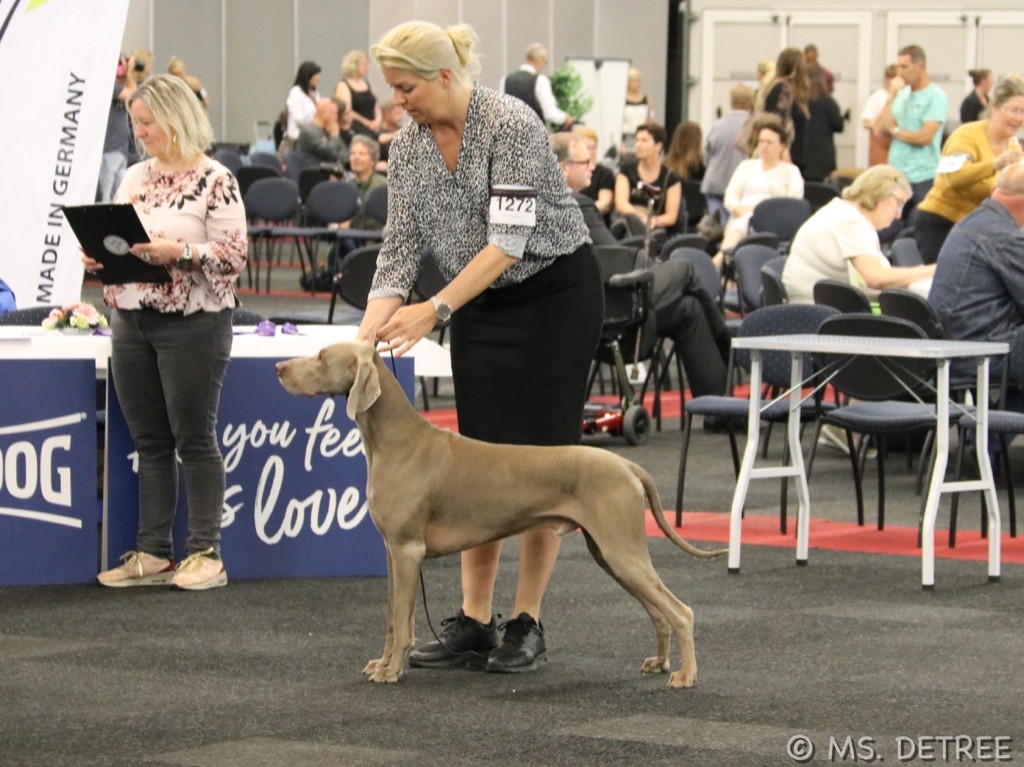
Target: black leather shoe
521,649
465,643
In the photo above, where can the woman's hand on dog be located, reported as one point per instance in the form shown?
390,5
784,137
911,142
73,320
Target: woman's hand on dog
406,327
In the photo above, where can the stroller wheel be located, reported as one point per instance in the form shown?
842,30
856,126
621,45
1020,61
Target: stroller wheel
636,425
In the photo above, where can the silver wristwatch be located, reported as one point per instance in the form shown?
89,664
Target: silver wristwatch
442,311
185,259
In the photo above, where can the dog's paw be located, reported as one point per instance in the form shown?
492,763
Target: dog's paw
655,666
372,666
385,675
681,679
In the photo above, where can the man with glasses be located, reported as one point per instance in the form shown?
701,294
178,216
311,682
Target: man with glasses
978,288
913,116
683,310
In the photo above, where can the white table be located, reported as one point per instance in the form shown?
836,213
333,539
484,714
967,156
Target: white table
939,350
431,360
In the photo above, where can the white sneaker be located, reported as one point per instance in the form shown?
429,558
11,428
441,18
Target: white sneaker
832,437
200,571
139,569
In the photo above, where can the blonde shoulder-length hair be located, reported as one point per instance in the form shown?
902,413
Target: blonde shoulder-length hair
350,64
874,185
424,49
178,112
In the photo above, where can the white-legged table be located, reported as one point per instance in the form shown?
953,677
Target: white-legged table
940,350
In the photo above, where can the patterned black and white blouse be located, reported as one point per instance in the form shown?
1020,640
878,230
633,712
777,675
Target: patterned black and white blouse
430,208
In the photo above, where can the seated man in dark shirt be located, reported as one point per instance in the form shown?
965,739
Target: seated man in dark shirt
683,310
323,139
978,287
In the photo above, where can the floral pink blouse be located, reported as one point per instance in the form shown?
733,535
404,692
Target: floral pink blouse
201,206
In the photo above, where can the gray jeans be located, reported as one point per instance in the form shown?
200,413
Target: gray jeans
168,369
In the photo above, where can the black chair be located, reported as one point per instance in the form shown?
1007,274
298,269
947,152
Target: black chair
265,160
904,252
308,179
269,203
688,240
908,305
32,315
875,383
352,282
330,202
818,194
771,320
749,260
1002,423
296,162
229,158
429,282
842,296
782,216
376,204
247,175
773,292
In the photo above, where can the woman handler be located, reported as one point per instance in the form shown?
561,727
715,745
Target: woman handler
472,180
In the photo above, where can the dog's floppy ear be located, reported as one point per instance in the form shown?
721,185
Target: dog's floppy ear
366,385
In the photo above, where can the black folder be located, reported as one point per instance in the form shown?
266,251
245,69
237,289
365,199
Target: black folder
106,231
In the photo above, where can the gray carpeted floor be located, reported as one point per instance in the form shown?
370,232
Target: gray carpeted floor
267,673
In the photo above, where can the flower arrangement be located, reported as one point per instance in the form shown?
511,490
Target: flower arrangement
77,316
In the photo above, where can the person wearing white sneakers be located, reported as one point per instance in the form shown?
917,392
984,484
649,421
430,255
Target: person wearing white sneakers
171,341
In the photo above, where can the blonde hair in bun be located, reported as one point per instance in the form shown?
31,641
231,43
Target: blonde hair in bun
424,49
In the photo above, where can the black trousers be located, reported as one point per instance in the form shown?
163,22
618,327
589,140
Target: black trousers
521,355
690,317
930,231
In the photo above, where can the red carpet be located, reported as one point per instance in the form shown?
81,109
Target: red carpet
763,530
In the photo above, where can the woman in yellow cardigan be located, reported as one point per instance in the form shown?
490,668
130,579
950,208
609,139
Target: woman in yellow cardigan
971,160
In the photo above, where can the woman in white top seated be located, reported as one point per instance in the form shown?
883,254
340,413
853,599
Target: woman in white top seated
840,241
755,180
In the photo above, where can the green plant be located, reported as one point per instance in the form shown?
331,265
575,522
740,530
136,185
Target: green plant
567,85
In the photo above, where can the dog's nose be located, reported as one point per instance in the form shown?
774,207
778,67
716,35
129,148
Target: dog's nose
279,367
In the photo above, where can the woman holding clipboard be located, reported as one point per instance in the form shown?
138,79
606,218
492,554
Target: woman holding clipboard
171,341
473,180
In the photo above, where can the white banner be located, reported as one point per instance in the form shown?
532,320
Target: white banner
57,68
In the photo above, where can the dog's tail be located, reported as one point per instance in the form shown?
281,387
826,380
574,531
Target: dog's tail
659,516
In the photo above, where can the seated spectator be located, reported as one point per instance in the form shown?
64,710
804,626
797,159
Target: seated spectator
720,150
685,155
683,310
392,119
363,156
321,138
840,241
602,181
758,179
978,288
362,160
647,170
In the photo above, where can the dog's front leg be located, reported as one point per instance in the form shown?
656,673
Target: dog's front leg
389,637
405,561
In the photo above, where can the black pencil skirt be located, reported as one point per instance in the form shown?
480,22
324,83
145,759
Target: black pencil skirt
521,355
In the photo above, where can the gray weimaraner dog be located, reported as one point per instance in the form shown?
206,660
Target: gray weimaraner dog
432,492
